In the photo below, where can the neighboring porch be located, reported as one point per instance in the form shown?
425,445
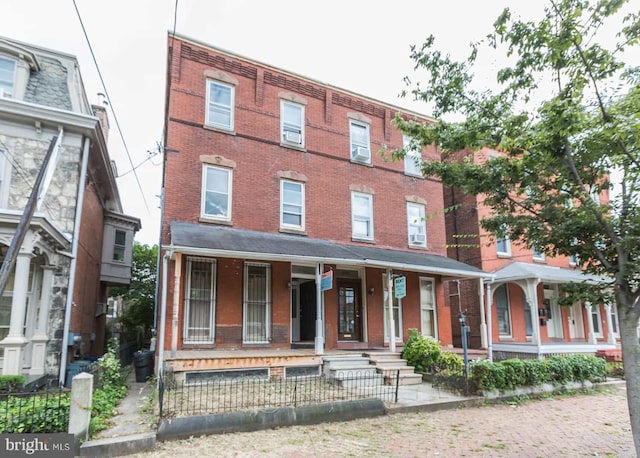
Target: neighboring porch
503,351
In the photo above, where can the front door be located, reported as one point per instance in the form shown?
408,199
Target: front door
554,316
349,310
576,327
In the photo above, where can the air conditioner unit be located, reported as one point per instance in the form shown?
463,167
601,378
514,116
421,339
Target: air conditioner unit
101,308
361,153
293,137
418,238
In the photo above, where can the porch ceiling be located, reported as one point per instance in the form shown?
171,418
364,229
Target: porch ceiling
203,239
524,271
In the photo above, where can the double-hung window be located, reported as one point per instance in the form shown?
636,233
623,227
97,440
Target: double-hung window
220,100
538,254
428,318
360,143
256,326
362,215
119,246
216,193
412,158
504,311
291,205
292,123
503,245
200,300
7,76
416,224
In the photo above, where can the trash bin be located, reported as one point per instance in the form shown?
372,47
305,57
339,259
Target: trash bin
143,363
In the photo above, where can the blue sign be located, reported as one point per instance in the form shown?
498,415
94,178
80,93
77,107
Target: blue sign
326,281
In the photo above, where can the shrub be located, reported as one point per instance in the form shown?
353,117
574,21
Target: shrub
113,389
35,414
11,382
421,352
512,373
448,361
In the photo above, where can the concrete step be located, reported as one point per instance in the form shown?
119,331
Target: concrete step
405,379
347,378
382,355
388,361
390,369
346,362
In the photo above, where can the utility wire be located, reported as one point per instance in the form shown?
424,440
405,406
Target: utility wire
115,118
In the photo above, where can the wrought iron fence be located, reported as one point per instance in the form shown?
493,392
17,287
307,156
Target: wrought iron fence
45,411
219,395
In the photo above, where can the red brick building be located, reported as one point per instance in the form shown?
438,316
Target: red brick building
272,179
517,313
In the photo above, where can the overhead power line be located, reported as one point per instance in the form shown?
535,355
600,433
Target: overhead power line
113,111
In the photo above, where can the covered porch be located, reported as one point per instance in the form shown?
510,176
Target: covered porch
530,322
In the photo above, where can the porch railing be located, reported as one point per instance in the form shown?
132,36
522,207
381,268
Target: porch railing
219,395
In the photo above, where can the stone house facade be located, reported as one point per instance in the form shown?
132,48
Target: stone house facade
51,310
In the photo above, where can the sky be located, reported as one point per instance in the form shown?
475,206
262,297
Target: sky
359,45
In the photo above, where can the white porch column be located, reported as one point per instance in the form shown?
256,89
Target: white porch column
611,339
530,289
319,339
177,269
40,338
15,341
489,323
592,336
392,325
483,322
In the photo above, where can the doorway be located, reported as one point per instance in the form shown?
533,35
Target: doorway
576,324
554,316
349,310
303,310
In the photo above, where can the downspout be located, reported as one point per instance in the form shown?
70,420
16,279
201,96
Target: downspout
74,256
163,319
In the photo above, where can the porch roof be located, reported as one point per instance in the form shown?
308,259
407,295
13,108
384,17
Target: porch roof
207,240
548,274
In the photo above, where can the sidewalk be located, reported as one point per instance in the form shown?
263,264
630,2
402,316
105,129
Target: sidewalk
132,431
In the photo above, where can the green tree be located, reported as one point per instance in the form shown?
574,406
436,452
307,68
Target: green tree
139,297
565,114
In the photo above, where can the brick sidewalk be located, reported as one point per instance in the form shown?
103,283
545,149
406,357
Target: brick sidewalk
574,426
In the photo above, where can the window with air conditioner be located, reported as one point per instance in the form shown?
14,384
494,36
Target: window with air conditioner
7,76
360,143
416,224
292,123
362,215
220,105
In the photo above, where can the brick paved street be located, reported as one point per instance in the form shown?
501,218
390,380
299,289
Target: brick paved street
572,426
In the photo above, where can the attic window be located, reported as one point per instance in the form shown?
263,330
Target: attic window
7,76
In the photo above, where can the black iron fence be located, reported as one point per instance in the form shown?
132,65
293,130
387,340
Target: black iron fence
179,398
46,411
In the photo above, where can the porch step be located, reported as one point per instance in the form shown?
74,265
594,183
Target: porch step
344,362
349,378
388,363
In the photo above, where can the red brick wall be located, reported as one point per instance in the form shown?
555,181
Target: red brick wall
87,288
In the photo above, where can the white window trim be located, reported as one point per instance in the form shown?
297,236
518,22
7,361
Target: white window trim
283,225
510,335
410,166
15,78
435,306
507,243
5,179
355,194
187,294
595,310
268,299
283,137
203,193
211,123
422,223
353,122
117,245
537,256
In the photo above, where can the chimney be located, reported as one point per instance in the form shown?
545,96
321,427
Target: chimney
100,111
